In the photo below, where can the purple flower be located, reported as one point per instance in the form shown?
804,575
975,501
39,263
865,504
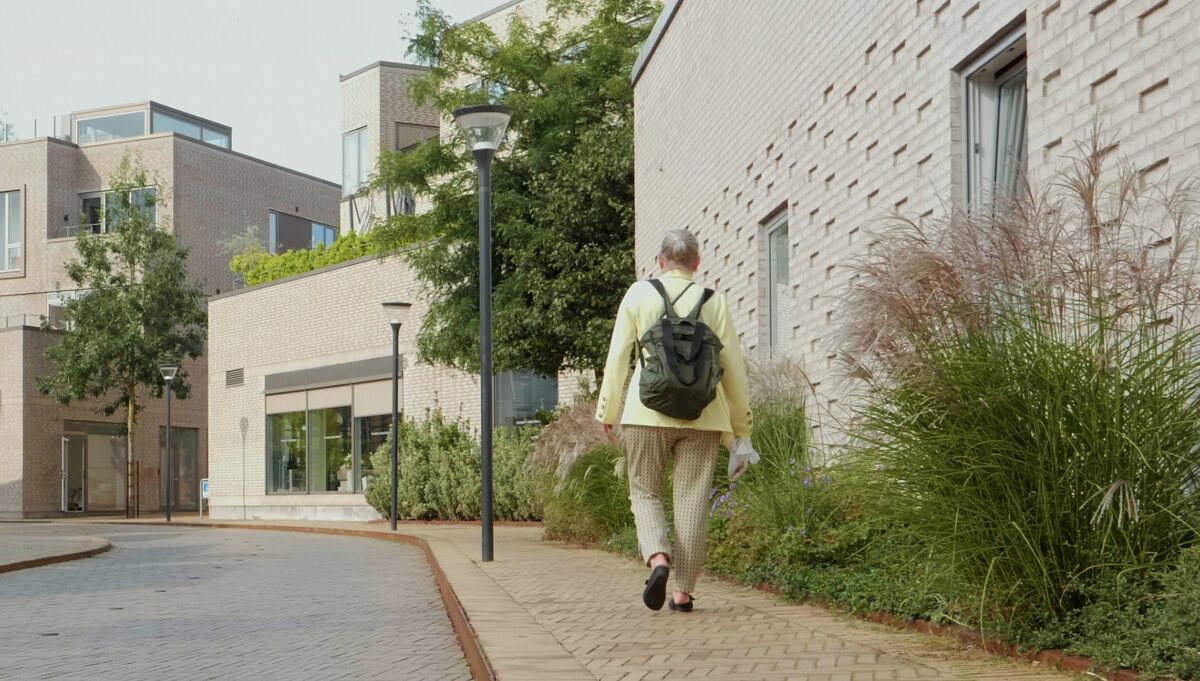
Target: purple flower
712,493
732,486
807,482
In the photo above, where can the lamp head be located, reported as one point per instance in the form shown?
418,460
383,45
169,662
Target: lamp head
169,371
396,313
483,125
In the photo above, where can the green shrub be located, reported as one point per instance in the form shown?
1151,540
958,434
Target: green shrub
594,501
439,473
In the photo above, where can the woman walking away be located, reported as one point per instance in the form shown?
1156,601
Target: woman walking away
688,394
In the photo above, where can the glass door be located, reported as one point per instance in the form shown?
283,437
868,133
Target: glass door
186,486
74,474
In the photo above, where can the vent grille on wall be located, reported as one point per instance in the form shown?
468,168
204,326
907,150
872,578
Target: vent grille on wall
235,378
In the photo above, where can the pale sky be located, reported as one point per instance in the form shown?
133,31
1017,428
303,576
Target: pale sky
267,68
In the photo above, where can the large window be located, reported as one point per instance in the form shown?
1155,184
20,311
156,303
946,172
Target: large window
520,395
371,433
409,136
56,306
330,464
101,211
287,444
290,232
995,96
104,128
356,161
779,298
10,232
162,122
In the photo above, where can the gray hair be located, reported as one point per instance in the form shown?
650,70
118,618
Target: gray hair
680,247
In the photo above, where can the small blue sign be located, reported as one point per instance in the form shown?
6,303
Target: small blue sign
204,488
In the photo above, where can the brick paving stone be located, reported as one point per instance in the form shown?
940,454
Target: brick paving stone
188,603
542,610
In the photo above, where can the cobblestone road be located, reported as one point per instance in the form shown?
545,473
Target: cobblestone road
225,604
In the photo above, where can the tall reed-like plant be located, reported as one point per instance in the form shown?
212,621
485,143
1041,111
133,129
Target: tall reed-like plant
1033,412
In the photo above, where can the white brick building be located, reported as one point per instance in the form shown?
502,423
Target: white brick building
783,132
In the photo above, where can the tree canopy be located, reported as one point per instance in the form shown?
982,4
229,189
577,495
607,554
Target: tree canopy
562,184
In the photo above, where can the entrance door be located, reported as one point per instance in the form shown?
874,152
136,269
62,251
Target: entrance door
186,486
74,474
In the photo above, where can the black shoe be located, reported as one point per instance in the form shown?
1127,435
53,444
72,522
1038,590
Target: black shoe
655,593
682,607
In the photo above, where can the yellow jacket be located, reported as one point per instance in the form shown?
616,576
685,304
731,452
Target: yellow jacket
642,307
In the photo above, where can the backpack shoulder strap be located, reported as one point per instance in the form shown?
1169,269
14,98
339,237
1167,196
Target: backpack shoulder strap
708,293
662,291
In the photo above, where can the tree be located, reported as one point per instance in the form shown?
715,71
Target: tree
139,311
562,189
7,131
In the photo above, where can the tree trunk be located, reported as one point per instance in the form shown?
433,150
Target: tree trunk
130,488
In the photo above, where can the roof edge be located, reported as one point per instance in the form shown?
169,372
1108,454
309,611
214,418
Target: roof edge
382,64
656,34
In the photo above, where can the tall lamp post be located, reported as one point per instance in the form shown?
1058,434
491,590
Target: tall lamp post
168,373
395,314
483,127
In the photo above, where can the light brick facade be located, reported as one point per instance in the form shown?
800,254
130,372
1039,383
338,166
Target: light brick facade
206,195
375,99
837,113
329,317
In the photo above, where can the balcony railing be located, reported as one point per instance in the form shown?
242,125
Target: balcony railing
31,320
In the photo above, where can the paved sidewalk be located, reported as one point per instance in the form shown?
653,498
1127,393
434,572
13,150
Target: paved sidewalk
26,543
543,611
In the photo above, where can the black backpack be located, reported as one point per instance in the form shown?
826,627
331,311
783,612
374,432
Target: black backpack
681,361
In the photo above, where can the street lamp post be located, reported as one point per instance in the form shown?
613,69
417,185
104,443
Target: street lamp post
395,314
483,127
168,373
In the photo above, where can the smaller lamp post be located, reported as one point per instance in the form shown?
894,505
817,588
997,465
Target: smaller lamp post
395,314
168,373
483,128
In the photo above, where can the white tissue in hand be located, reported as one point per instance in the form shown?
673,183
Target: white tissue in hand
741,455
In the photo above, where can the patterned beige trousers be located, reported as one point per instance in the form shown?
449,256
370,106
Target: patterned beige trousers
695,456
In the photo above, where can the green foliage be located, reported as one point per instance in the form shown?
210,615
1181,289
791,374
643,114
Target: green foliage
1030,464
562,191
594,502
256,266
439,474
1148,621
140,310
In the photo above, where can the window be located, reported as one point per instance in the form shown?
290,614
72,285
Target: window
104,128
100,212
371,434
290,233
520,395
330,464
162,122
779,299
995,117
287,452
323,235
356,161
409,136
10,232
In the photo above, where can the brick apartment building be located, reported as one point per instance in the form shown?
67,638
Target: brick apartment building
782,133
58,460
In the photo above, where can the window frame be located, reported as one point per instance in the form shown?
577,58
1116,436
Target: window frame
361,171
103,195
78,121
780,222
980,96
6,247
